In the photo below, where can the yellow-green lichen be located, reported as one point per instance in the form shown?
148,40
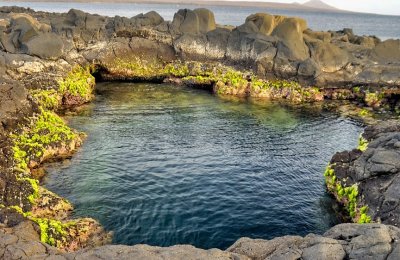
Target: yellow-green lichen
51,231
356,90
177,69
364,113
45,130
137,67
364,218
346,195
35,187
373,99
47,99
362,143
79,82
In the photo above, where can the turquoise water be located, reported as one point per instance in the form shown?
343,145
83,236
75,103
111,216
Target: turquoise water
166,165
383,26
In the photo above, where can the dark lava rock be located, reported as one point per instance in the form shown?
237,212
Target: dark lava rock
151,18
194,22
376,171
387,51
45,46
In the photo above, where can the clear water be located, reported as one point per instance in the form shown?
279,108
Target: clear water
383,26
166,165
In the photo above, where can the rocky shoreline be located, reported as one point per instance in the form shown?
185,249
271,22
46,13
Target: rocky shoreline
49,62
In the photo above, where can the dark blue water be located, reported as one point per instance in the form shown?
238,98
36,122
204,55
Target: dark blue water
383,26
166,165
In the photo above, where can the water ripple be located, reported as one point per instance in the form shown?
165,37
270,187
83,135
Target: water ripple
166,165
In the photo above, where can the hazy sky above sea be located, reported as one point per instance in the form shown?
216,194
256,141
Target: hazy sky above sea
367,6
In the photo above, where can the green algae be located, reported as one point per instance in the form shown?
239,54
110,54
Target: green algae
53,232
176,69
373,99
47,99
347,196
35,187
79,82
364,217
45,130
362,143
140,68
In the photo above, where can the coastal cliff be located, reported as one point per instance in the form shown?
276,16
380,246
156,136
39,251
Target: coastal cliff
49,62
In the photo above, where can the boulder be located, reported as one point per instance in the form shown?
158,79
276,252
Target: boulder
206,20
265,23
248,27
151,18
290,31
322,36
308,68
247,46
25,25
186,21
366,41
76,18
329,57
387,51
152,252
27,35
45,46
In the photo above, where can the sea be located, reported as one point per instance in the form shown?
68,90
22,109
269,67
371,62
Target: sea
383,26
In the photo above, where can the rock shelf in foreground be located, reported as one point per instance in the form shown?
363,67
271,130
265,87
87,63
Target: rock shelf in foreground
345,241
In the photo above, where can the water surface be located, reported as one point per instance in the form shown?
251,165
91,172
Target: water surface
166,165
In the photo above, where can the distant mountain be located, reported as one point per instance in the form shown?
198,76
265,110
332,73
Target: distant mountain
319,5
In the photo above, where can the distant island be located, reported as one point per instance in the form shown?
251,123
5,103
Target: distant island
312,5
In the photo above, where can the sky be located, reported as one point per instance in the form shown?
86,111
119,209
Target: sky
367,6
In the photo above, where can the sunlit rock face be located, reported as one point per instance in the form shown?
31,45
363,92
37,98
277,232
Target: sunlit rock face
275,46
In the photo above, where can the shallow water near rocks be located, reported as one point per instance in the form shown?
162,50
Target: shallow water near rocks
165,165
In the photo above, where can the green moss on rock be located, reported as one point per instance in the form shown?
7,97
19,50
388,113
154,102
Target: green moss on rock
362,143
177,69
77,87
45,130
53,232
47,99
35,187
347,196
373,99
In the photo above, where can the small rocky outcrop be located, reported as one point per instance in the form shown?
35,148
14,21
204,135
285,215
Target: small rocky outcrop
374,170
345,241
24,34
